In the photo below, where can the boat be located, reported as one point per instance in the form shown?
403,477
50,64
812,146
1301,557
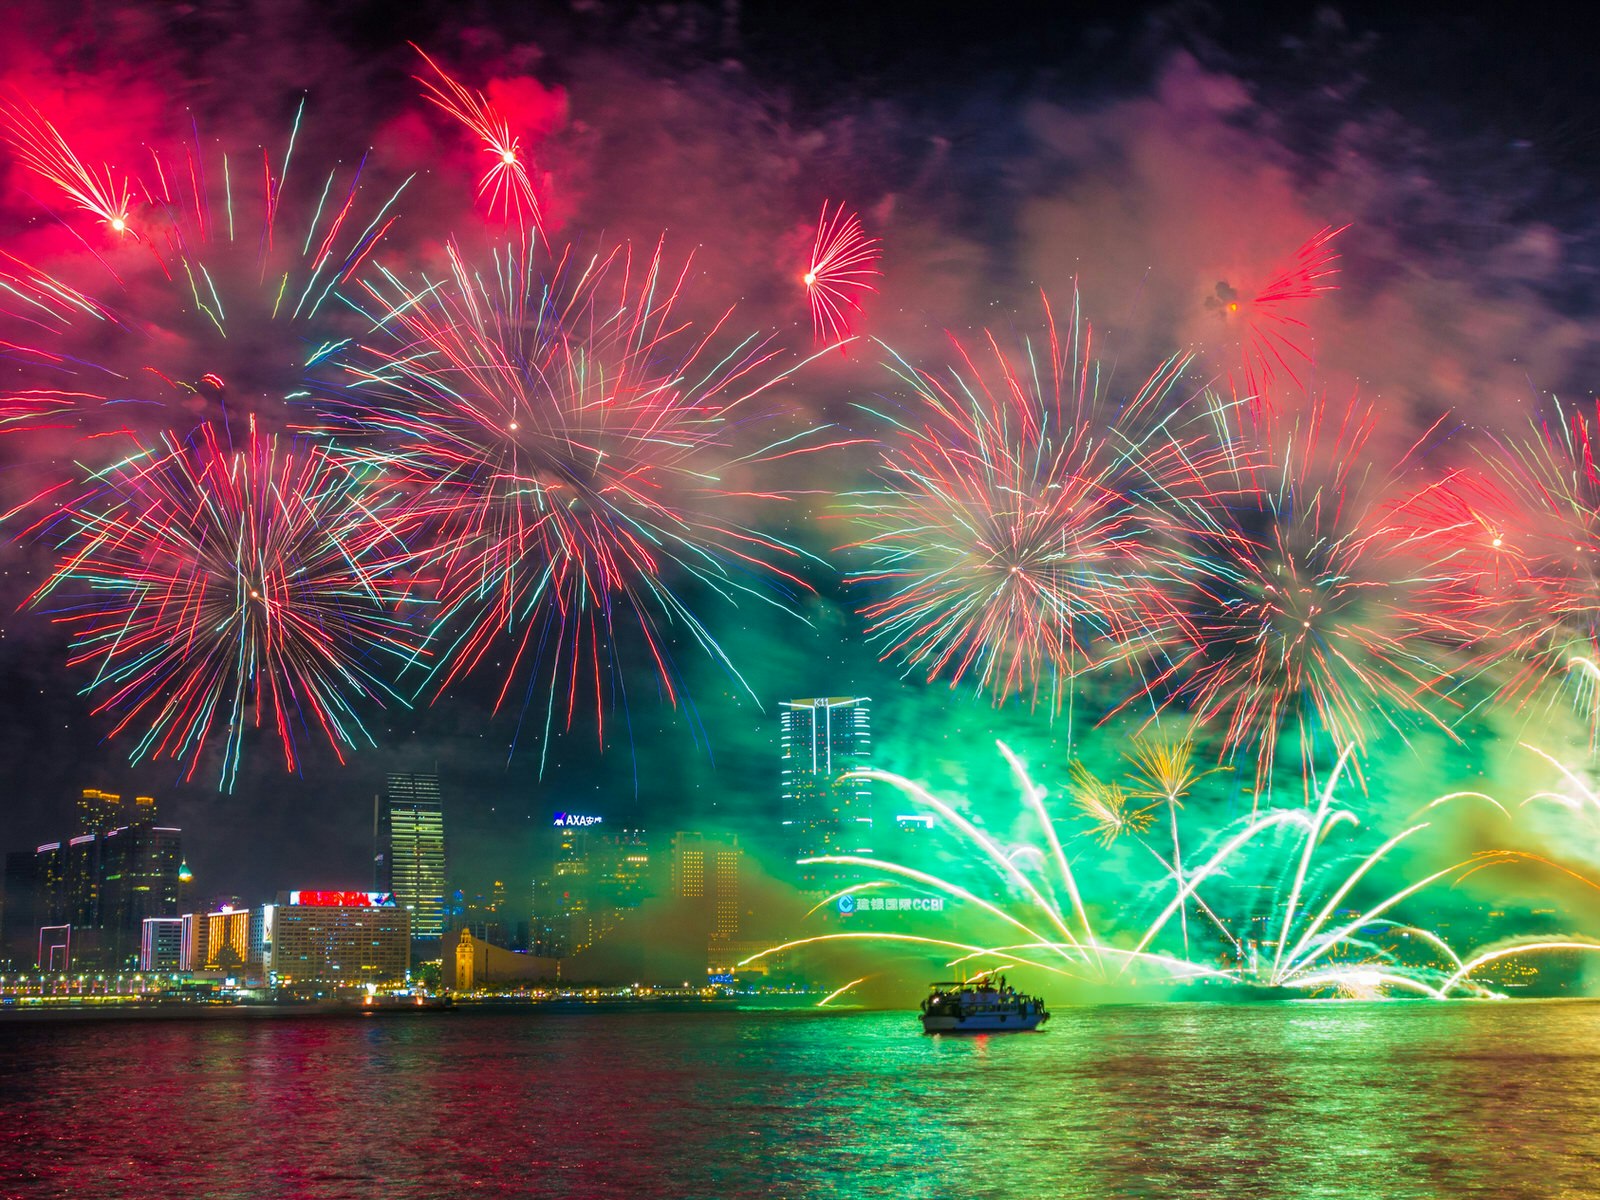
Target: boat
987,1006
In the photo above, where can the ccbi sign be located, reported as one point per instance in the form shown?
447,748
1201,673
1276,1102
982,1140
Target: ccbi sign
855,904
575,820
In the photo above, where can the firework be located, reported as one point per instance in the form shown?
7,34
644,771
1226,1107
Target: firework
1165,771
574,439
1271,338
843,265
45,308
1313,936
226,290
1106,807
1315,613
39,146
1020,533
1520,534
506,183
217,591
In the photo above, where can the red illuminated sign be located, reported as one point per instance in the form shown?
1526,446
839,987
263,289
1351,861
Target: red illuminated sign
328,899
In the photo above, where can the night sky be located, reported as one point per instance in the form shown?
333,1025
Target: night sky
1147,153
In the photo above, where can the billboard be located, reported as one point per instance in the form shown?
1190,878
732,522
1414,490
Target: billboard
334,899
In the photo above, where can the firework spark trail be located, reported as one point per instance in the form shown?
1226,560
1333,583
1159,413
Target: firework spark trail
1165,772
46,308
1521,534
1021,533
1312,889
995,853
954,890
506,183
906,938
39,146
1106,805
1271,338
224,292
843,264
573,439
216,591
1315,612
1520,947
1587,792
839,991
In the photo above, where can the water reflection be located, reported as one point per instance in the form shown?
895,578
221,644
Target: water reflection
1289,1100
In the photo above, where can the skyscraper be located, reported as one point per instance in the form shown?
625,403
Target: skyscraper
593,877
416,850
823,812
705,873
139,867
161,944
101,812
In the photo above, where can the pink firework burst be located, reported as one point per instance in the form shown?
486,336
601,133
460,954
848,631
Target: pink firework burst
842,267
506,183
1316,613
217,590
1520,534
585,455
1020,534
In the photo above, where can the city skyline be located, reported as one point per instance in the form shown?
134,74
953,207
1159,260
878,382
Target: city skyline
1045,498
714,598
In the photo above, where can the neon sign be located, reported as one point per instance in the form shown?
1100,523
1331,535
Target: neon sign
891,904
575,820
331,899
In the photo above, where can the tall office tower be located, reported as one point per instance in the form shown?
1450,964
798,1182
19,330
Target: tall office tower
623,880
705,872
139,880
416,850
98,812
823,812
81,882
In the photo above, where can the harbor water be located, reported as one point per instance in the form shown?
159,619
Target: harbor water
1293,1100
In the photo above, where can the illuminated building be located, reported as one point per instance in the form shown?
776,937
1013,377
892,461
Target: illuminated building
139,879
194,950
101,812
594,876
336,937
234,941
911,835
416,850
80,880
705,882
102,884
473,963
161,944
823,740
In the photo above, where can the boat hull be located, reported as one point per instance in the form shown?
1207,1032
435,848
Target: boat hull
982,1023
